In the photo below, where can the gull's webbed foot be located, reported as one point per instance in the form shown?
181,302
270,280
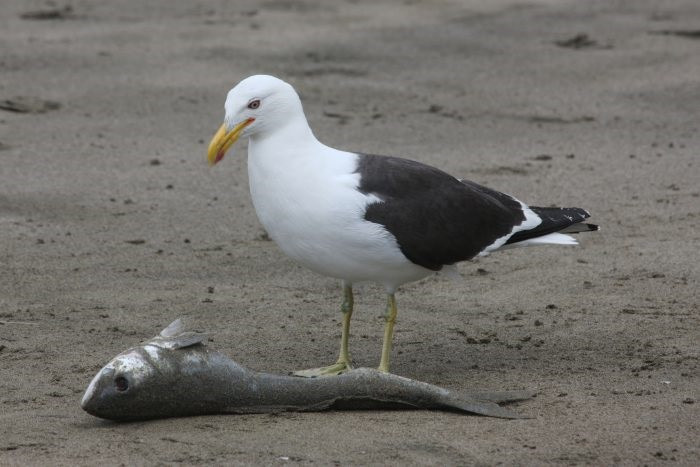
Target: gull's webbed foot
331,370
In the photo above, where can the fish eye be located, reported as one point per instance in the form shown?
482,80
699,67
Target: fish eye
254,104
121,384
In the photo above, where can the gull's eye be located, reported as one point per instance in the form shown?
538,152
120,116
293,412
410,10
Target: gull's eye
254,104
121,384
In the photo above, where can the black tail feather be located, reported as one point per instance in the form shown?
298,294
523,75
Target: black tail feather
579,227
565,220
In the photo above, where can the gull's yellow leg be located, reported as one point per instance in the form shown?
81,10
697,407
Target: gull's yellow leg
343,363
389,319
346,308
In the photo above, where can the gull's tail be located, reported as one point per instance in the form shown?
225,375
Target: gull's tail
555,223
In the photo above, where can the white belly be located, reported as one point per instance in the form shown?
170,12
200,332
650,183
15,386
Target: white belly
312,210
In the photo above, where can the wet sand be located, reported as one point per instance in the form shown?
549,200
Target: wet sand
112,225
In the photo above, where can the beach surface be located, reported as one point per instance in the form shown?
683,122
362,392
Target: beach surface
112,225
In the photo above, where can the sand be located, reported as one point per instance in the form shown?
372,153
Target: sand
112,225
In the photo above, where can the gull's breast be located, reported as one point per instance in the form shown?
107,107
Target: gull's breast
312,209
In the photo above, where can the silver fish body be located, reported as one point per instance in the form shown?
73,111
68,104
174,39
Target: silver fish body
175,375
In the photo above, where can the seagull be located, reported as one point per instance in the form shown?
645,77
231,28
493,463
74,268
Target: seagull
361,217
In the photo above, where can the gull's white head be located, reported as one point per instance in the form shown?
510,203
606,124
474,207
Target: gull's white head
257,105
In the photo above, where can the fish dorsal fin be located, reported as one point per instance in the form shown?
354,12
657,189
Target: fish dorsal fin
173,329
175,337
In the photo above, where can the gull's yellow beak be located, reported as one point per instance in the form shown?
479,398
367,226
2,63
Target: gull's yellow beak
222,140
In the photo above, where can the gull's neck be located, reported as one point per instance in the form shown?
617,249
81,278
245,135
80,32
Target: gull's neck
285,143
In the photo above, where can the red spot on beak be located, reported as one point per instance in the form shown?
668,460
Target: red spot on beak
219,156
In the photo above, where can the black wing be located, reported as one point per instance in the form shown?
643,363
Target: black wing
436,218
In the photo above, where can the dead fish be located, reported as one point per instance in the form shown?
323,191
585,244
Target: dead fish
175,374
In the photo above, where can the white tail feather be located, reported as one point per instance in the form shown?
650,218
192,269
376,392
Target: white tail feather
549,239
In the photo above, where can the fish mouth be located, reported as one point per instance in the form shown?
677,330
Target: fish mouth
91,398
91,390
